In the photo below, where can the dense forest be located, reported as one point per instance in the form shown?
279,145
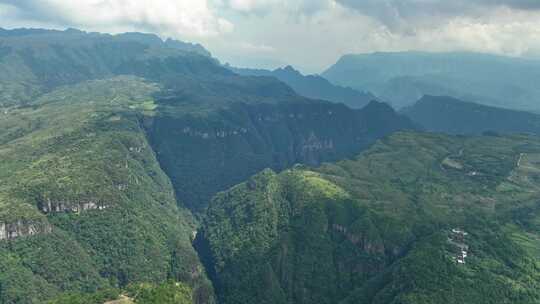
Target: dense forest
109,158
417,218
140,170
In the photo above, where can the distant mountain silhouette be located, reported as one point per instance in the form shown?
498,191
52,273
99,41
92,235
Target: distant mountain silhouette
450,115
313,86
403,78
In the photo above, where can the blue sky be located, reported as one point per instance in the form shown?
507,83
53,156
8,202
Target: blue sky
309,34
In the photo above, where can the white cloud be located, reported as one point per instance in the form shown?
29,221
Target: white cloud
252,5
256,48
193,18
306,33
266,7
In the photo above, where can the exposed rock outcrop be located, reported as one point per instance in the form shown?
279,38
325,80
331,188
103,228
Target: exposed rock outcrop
65,206
369,246
22,228
225,148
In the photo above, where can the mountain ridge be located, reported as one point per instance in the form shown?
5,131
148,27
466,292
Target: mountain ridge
113,148
402,78
372,230
313,86
454,116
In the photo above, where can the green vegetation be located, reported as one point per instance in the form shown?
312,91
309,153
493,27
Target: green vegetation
225,147
97,169
169,292
76,164
379,228
34,62
99,174
199,117
165,293
94,298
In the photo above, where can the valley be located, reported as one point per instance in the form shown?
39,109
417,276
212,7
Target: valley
136,169
382,227
104,181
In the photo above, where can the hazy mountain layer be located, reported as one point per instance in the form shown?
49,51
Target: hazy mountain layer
313,86
403,78
450,115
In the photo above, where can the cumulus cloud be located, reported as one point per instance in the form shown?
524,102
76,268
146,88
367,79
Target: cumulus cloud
306,33
266,7
166,17
407,15
251,5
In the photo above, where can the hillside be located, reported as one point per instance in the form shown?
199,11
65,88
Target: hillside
404,77
450,115
35,61
112,146
313,86
84,203
417,218
227,146
207,119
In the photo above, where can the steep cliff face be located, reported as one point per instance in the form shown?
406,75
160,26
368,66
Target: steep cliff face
66,206
22,228
227,146
290,238
101,211
112,162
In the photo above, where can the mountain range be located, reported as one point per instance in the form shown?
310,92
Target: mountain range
453,116
111,148
140,170
404,77
417,218
313,86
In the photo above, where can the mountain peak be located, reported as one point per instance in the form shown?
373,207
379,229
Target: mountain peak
289,70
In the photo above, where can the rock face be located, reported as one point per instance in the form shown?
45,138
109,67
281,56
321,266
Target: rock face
365,230
22,228
65,206
226,147
290,231
361,241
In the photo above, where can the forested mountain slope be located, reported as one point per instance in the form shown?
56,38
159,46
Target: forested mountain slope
108,144
450,115
35,61
417,218
205,154
205,112
84,204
